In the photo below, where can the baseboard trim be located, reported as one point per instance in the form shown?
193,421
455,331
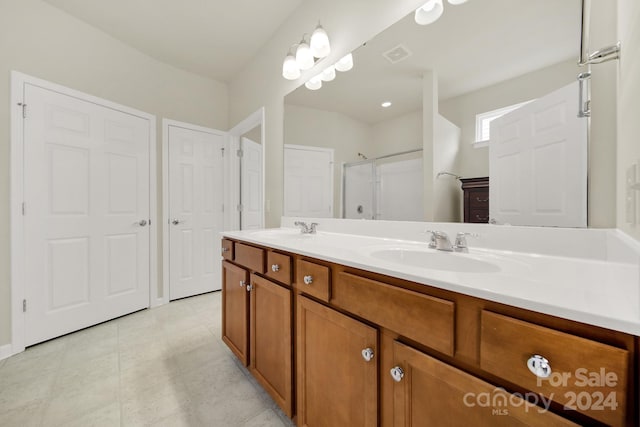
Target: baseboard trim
6,351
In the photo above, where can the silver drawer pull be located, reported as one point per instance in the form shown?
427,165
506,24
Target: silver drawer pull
275,268
242,283
367,354
249,287
397,373
481,200
308,280
225,250
539,366
482,218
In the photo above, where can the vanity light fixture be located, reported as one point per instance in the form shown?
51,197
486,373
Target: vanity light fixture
432,10
345,63
328,73
314,83
386,104
319,42
290,68
304,57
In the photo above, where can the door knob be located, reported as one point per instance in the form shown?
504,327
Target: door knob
397,373
142,222
367,354
175,221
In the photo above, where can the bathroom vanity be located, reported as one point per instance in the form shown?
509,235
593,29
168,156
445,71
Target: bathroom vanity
358,330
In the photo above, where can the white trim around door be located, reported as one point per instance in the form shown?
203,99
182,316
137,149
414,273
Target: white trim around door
17,242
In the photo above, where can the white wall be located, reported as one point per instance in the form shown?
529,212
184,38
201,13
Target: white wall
628,107
401,133
447,192
328,129
40,40
261,84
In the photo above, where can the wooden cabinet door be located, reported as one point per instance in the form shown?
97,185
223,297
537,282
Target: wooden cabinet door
428,392
270,333
336,386
235,310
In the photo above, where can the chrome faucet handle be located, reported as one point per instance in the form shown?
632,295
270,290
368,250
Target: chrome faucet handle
461,240
312,227
304,228
440,240
432,239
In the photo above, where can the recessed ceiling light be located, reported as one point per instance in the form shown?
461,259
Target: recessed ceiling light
386,104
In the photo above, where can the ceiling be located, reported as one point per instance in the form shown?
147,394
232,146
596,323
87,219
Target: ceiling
474,45
213,38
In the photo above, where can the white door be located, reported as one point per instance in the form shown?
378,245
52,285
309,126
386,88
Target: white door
308,181
195,210
86,190
358,190
251,215
538,163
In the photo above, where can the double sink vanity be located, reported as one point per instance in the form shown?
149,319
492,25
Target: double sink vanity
368,323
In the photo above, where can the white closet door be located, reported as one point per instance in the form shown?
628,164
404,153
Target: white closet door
86,177
251,185
538,163
308,182
195,210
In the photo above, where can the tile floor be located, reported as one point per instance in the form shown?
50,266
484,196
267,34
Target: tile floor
163,367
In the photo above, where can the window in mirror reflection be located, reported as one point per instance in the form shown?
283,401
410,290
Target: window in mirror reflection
483,122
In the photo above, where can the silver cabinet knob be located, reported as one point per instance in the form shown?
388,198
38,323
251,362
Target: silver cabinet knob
539,366
175,221
397,373
275,268
242,283
308,280
142,222
225,250
367,354
249,288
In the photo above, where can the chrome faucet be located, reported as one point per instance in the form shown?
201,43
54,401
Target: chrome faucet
306,228
440,241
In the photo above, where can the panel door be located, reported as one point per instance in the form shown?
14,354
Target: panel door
336,386
270,337
235,310
195,210
86,177
252,214
428,392
538,163
308,182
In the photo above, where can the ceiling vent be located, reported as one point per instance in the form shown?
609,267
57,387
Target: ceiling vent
397,54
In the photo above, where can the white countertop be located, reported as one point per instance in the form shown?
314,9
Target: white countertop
597,291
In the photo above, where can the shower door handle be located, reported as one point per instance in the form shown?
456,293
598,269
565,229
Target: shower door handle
584,109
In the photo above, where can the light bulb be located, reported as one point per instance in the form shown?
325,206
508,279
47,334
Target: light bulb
304,57
290,69
320,46
429,12
314,83
328,73
345,63
386,104
456,2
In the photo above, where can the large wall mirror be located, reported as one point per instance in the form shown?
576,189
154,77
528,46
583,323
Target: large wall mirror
349,155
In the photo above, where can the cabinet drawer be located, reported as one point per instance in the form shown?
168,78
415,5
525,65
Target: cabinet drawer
586,375
227,249
479,215
313,279
479,199
431,391
427,320
250,257
279,267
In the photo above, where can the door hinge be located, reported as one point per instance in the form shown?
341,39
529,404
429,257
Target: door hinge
240,153
149,221
240,208
222,151
24,109
24,305
24,209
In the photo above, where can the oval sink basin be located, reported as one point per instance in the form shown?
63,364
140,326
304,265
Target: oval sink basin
448,261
